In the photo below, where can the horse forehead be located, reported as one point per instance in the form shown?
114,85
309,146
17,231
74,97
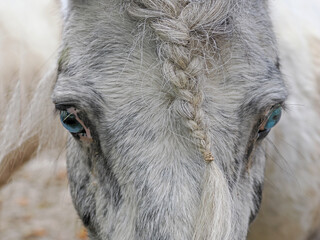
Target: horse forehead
104,44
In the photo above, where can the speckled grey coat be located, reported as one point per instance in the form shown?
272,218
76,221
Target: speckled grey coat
142,175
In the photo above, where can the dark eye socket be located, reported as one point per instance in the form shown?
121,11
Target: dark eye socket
272,119
70,122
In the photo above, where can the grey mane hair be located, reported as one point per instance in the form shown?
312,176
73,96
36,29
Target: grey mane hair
185,31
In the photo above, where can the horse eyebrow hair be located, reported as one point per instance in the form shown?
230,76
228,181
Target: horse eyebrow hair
261,104
69,98
66,100
275,98
267,105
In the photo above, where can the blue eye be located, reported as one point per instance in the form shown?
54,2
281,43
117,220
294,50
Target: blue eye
272,120
70,122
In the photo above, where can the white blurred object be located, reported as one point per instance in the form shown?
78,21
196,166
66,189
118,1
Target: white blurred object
29,42
291,198
64,6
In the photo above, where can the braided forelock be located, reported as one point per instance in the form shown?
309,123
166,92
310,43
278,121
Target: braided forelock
182,29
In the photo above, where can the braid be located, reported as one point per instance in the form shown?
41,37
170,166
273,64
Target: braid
182,67
182,28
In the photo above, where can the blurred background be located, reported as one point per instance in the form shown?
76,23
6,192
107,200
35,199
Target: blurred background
36,203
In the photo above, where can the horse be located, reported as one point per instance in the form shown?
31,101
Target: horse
168,104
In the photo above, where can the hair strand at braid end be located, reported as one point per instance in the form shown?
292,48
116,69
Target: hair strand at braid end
208,156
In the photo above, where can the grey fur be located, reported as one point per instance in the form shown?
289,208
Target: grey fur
142,177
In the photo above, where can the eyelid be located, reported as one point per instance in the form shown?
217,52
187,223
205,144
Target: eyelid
63,107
